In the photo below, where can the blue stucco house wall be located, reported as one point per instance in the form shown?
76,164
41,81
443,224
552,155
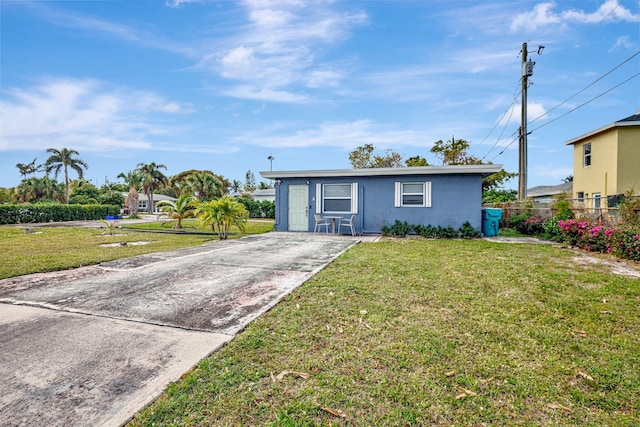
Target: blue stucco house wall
444,196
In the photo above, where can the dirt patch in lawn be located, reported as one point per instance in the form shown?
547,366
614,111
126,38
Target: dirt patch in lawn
619,267
116,244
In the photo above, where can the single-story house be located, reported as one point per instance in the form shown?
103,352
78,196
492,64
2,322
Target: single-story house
268,194
427,195
142,201
548,193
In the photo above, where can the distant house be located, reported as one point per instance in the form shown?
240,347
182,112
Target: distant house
444,196
142,201
547,193
268,194
606,161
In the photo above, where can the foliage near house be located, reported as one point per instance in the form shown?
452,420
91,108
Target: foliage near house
183,207
223,213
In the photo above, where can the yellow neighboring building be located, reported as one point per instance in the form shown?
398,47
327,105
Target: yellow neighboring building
606,161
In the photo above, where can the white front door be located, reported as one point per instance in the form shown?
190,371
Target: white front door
298,208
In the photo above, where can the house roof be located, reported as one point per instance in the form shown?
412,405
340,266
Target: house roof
633,120
265,192
484,170
550,190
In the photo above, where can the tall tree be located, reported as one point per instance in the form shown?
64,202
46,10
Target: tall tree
152,178
34,189
133,179
416,161
249,182
362,157
29,168
454,152
235,186
64,159
203,184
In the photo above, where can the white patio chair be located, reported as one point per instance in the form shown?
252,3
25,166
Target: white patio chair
321,222
346,222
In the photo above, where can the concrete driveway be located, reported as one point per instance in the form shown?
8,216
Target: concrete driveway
93,345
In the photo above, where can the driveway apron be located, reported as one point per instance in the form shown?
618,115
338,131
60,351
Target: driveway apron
93,345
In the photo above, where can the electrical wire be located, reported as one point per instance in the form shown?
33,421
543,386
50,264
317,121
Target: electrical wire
587,87
509,110
585,103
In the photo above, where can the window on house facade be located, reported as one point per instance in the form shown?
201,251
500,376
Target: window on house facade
413,194
586,151
580,195
338,198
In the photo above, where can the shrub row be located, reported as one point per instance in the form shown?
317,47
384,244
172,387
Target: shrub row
259,209
401,229
50,212
622,241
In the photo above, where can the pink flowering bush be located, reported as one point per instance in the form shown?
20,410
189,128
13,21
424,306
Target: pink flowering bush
598,237
627,244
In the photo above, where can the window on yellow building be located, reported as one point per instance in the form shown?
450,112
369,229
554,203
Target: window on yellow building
586,151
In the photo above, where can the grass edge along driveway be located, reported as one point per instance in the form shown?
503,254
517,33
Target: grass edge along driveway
423,332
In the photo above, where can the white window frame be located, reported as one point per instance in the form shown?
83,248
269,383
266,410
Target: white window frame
399,193
587,152
597,200
320,198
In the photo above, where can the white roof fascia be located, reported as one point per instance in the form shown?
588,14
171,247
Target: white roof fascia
600,130
485,170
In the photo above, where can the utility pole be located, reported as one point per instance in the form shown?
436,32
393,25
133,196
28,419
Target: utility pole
527,71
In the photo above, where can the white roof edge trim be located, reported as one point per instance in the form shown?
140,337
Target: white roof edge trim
485,170
600,130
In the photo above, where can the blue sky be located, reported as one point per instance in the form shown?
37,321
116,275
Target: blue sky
221,85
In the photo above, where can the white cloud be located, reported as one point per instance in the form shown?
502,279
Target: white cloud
80,113
279,49
543,15
264,94
68,19
346,135
624,43
178,3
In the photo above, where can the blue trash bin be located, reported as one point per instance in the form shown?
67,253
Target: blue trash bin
491,221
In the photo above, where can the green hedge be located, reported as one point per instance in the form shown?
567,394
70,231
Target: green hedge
50,212
259,209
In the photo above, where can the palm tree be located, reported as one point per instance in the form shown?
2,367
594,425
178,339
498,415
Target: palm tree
225,213
132,179
236,186
35,189
183,207
203,185
29,168
152,178
64,159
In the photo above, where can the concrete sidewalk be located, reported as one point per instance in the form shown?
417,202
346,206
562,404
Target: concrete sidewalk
93,345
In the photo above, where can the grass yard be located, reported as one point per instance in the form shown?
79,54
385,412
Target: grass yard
59,248
424,332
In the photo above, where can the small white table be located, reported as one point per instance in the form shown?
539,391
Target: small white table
333,222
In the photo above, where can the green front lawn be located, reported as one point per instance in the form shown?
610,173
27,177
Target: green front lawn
59,248
429,332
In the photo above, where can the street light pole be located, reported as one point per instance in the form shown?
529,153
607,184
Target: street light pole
270,158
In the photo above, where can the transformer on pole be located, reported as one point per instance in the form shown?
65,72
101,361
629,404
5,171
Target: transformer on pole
527,71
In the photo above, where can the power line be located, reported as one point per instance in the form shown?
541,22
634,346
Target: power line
587,102
509,110
513,135
587,87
